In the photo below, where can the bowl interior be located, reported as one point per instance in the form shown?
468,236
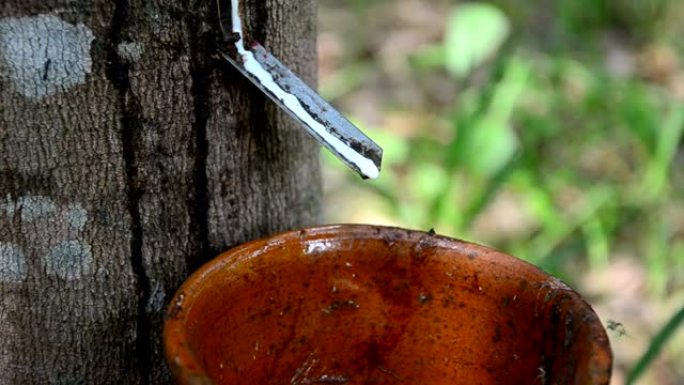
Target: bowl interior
382,306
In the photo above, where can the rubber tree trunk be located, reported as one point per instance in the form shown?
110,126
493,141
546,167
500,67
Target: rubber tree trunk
130,153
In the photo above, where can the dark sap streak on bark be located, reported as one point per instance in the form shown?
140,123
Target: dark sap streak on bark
200,48
261,21
264,130
118,74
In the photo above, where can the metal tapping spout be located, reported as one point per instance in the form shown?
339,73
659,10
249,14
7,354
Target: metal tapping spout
291,94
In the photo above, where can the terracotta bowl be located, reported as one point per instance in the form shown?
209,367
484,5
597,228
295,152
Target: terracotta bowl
374,305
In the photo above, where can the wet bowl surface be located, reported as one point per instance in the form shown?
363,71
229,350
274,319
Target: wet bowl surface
357,304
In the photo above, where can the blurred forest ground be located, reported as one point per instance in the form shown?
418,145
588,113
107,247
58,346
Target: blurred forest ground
549,129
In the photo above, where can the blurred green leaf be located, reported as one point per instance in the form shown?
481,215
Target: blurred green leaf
429,57
484,144
543,245
492,141
658,169
427,181
540,203
657,248
598,243
641,115
475,31
486,194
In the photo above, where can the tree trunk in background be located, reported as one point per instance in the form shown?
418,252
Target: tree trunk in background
130,154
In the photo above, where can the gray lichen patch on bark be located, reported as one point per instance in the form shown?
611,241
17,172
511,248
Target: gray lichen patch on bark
29,207
69,260
130,51
12,263
43,54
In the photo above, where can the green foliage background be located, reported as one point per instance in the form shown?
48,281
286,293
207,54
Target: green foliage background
549,130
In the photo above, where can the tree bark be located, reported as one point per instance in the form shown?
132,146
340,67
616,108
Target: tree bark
130,154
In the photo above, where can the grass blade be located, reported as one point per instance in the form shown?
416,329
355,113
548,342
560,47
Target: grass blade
657,343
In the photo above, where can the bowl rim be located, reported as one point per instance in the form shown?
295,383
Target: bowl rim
187,368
